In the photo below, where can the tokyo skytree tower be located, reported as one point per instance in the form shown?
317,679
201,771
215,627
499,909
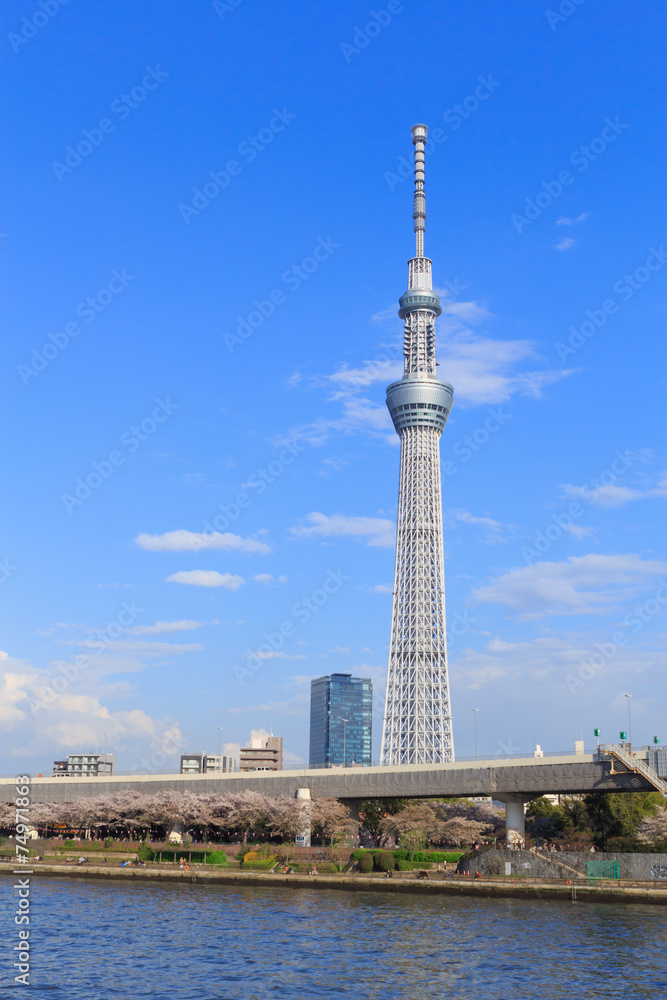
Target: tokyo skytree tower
417,721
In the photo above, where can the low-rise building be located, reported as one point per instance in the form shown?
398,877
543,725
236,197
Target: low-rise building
202,763
263,754
84,765
221,762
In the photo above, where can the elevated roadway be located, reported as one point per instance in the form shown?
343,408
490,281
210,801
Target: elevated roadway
513,781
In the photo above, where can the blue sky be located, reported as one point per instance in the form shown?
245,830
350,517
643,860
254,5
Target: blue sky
205,236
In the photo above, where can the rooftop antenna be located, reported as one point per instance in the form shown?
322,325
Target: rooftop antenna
419,136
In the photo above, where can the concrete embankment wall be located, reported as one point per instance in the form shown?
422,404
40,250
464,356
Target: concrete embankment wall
638,867
524,888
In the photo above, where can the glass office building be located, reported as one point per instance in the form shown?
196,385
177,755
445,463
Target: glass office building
341,720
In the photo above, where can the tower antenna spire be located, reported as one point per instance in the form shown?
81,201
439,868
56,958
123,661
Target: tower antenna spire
419,137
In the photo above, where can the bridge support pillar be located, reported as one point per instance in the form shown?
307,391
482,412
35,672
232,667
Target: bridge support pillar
353,806
515,821
304,799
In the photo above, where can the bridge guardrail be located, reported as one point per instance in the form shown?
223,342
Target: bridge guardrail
632,762
136,773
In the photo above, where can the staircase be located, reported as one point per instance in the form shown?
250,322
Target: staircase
566,868
623,762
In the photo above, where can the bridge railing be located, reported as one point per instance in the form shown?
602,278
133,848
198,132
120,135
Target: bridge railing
632,762
143,772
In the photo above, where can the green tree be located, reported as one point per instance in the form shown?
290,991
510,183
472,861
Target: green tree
574,808
372,812
545,821
619,814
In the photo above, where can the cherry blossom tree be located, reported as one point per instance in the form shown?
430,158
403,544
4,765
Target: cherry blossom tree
462,831
247,811
413,826
653,828
286,818
331,819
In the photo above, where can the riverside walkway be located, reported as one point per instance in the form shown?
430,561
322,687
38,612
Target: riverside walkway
436,884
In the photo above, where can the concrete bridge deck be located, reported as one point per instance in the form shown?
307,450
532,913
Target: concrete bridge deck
517,779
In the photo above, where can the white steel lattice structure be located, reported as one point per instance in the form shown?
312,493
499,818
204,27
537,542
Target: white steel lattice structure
417,721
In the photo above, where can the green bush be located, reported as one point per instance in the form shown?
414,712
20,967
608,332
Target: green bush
438,857
262,864
145,853
70,843
366,862
108,842
215,858
384,861
358,853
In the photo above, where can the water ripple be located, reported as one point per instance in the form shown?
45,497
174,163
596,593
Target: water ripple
106,941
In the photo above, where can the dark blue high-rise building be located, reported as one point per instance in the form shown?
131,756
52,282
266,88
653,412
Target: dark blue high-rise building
341,720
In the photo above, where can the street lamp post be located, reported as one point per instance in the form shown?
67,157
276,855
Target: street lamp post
345,722
629,696
475,711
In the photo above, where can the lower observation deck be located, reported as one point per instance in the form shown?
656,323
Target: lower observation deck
419,402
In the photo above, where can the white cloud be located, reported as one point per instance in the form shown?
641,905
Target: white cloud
483,371
265,578
579,585
614,496
274,654
578,530
199,541
72,719
493,530
375,531
138,646
297,706
480,369
207,578
382,588
536,670
161,627
564,221
13,692
359,414
565,244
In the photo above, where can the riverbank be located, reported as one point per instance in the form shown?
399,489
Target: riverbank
435,884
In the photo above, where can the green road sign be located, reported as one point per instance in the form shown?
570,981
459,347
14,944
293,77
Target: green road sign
656,739
623,734
596,732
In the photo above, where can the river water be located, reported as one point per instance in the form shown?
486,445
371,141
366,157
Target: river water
101,941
